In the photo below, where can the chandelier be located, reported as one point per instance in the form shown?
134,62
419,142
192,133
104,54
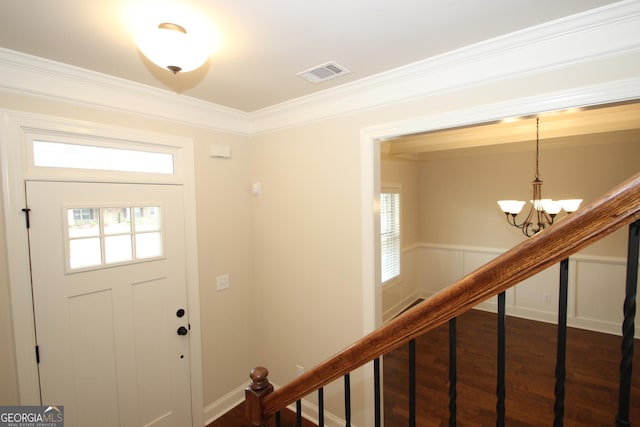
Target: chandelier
542,211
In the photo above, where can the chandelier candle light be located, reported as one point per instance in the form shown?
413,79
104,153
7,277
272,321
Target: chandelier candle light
542,211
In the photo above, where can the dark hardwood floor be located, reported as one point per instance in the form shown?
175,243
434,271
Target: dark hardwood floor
591,387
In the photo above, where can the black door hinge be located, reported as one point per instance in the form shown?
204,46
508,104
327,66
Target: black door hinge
26,215
37,354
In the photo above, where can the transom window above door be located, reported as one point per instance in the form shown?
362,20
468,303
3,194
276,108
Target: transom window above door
81,156
102,237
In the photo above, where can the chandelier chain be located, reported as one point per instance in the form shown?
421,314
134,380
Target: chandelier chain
537,148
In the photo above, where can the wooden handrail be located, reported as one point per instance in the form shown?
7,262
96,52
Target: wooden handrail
615,209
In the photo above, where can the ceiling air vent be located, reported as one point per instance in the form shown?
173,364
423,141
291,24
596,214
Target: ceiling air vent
323,72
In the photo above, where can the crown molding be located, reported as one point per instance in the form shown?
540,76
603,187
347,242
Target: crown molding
595,34
35,76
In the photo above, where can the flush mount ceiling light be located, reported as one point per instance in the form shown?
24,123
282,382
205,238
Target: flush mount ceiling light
171,46
542,211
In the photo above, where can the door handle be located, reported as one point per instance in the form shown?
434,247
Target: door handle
182,330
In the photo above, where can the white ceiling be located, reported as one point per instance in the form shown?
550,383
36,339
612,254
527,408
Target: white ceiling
266,42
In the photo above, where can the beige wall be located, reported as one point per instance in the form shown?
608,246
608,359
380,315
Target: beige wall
306,246
458,196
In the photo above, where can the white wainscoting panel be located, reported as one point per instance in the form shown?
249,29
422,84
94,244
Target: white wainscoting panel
599,294
595,292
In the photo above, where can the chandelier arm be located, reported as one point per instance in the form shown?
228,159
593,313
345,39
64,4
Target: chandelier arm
511,218
540,219
528,231
526,222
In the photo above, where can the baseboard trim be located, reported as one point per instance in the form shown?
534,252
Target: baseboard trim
310,412
400,306
223,405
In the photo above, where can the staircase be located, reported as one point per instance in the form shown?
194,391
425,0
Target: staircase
618,208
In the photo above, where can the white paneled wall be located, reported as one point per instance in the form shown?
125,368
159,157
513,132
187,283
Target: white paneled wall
596,286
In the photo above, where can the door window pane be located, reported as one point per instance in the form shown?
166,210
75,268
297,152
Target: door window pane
147,218
83,222
98,237
116,220
148,245
84,253
117,249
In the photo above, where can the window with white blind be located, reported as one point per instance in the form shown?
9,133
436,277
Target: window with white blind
390,234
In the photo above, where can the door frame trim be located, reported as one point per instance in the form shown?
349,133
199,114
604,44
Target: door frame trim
15,128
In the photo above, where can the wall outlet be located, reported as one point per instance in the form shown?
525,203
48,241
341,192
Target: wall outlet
222,282
547,298
299,370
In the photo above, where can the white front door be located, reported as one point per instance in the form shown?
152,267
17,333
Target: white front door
109,294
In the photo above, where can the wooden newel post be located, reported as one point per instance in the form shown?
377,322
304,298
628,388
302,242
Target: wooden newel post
255,393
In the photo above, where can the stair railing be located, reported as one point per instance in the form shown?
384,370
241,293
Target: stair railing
615,209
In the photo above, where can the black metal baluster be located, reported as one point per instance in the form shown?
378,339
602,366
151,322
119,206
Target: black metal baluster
278,419
453,373
558,407
321,407
376,392
412,383
347,400
628,326
298,413
501,388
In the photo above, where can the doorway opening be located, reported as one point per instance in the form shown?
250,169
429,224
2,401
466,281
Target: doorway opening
378,147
